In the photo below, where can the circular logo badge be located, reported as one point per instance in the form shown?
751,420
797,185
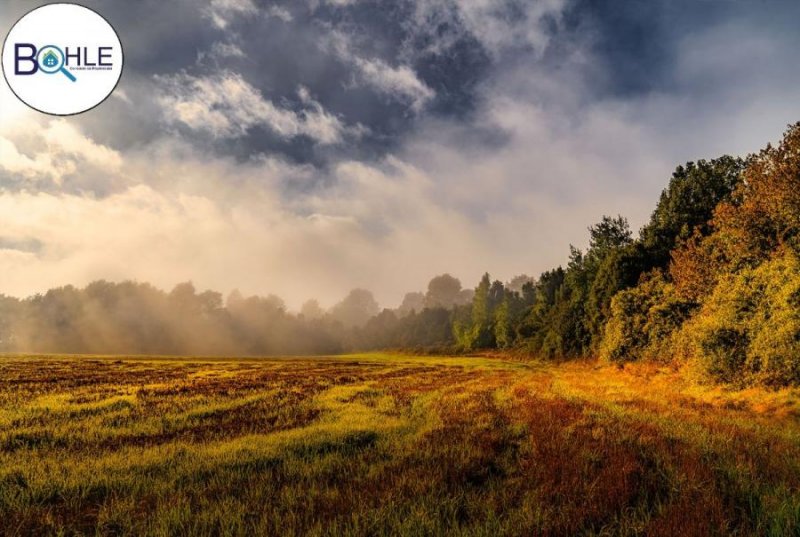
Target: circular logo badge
62,59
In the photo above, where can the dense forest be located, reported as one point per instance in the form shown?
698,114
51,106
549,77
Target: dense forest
711,281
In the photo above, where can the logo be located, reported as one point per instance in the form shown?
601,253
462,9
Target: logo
62,59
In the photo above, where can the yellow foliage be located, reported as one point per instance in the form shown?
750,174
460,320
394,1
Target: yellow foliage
749,328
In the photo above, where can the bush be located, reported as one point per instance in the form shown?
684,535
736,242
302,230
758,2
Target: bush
748,331
643,320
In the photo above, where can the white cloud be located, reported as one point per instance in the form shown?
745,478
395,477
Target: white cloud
254,241
280,13
497,25
23,166
500,29
400,83
227,106
222,12
226,50
122,95
14,112
64,138
56,149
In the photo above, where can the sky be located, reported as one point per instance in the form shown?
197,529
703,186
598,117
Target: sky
308,147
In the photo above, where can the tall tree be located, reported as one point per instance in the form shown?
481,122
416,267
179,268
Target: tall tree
476,331
443,292
412,302
356,308
688,204
311,310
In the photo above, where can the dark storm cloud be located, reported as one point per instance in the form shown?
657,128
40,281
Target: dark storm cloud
636,47
280,55
280,47
380,70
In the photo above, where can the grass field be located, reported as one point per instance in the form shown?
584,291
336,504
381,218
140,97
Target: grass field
388,445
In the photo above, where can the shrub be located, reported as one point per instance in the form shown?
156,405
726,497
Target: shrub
643,320
748,330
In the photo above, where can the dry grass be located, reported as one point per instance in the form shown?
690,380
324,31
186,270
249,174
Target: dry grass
388,445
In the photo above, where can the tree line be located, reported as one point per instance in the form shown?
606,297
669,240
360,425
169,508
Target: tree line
711,281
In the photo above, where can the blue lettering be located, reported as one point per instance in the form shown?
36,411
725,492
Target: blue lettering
19,58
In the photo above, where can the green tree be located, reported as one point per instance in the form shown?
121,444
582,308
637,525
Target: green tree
477,331
687,204
507,317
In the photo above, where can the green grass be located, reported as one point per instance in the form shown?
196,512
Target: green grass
376,444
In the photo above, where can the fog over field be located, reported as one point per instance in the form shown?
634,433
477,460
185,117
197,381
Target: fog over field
306,148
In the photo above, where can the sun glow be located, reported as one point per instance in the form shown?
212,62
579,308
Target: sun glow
12,111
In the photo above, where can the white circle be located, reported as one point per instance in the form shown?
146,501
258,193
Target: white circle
81,57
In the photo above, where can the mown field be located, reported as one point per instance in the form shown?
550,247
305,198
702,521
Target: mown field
388,445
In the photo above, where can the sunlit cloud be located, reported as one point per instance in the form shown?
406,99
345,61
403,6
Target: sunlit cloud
227,106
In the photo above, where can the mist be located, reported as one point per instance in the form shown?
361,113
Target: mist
138,318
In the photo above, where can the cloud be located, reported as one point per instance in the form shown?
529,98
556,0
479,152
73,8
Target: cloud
65,139
232,231
23,166
498,25
190,184
227,106
281,13
256,242
122,95
399,82
226,50
54,151
222,12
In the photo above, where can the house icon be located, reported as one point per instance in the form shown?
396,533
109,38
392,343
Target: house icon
50,59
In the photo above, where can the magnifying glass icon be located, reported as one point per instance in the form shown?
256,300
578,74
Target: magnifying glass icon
52,60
